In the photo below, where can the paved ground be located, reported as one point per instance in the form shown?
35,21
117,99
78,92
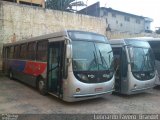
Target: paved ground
16,97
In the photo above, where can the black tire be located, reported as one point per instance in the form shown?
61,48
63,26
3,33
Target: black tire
41,86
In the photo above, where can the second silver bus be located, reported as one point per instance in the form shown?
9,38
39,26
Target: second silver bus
134,66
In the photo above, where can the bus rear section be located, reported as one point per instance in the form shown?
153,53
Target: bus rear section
71,65
134,66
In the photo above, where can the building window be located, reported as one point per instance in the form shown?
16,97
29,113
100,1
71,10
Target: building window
113,15
121,24
126,18
116,21
105,13
42,51
138,21
106,20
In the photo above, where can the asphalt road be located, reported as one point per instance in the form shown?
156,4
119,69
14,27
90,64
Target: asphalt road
16,97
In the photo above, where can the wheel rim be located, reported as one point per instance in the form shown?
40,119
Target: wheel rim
41,85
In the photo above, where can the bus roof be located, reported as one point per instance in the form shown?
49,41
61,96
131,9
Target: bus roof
146,38
117,41
63,33
38,38
128,41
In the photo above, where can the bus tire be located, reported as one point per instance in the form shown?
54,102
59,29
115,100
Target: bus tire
41,86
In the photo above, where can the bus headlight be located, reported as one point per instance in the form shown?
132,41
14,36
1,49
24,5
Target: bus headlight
106,75
82,76
137,75
152,74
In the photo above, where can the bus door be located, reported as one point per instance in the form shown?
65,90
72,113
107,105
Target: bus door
55,67
117,51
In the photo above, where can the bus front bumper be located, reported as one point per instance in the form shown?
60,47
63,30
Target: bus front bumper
92,95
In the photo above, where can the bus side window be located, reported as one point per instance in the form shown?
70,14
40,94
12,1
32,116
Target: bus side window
3,53
31,53
42,51
23,51
124,64
7,52
16,52
10,52
116,52
155,48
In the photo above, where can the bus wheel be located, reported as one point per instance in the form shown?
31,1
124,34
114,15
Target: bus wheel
11,75
42,87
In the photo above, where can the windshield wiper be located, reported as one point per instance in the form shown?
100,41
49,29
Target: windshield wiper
95,58
103,59
94,62
150,64
145,61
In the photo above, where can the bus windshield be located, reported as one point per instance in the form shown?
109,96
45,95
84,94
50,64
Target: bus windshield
141,59
92,56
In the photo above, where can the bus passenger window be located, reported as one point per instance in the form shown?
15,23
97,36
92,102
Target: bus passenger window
16,52
7,52
10,52
23,51
42,51
31,54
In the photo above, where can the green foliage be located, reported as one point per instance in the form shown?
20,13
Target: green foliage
63,5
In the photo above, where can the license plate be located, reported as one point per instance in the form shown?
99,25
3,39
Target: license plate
98,89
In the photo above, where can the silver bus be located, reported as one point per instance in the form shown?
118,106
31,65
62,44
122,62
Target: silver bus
71,65
134,66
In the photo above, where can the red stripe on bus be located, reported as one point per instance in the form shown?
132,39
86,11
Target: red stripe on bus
35,68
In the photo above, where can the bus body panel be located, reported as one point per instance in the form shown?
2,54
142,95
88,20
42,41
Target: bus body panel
27,67
137,86
27,71
87,90
157,78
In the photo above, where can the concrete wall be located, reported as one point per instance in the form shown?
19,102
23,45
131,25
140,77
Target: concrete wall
19,22
118,35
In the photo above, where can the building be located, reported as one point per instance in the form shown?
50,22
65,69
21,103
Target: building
122,21
147,24
118,21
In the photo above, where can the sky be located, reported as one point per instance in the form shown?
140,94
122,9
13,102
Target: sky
145,8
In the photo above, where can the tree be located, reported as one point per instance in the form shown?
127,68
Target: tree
64,5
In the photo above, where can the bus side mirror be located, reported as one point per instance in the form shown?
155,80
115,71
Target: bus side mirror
69,51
